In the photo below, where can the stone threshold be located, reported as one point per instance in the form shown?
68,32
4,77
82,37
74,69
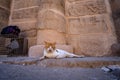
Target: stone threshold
3,56
87,62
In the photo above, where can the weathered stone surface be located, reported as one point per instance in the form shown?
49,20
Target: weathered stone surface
4,14
85,7
115,48
50,35
23,20
30,33
25,3
5,3
92,45
25,26
87,62
115,6
25,13
117,24
31,41
51,20
58,5
2,25
67,63
88,24
37,50
2,41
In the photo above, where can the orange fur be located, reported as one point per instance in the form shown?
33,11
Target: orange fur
48,44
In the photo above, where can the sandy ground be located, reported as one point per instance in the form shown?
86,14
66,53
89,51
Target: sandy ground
33,72
16,71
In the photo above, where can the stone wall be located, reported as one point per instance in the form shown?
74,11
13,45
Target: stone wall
90,26
85,24
4,16
24,14
51,22
115,5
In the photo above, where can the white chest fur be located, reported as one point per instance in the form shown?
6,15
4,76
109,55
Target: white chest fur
50,55
56,54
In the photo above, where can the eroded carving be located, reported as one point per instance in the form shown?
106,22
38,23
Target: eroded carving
25,3
52,20
92,24
80,8
4,15
25,13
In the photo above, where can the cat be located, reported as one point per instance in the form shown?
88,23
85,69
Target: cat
50,51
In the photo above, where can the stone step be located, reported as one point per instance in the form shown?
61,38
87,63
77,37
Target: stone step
2,48
4,52
87,62
3,56
2,40
1,44
37,50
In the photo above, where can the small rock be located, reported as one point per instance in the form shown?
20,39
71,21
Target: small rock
114,67
23,64
106,69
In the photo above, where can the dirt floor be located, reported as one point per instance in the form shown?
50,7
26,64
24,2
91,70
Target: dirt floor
13,71
32,72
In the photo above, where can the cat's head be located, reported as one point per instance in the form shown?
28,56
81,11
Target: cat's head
50,46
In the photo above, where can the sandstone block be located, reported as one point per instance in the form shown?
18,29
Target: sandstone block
25,13
88,24
4,14
31,41
87,62
2,41
23,20
5,3
92,45
115,13
37,50
58,5
85,7
25,3
30,33
2,25
25,26
115,5
115,49
51,20
50,35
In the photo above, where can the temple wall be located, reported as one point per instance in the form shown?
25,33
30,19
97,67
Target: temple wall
115,6
90,27
51,22
86,25
24,14
4,16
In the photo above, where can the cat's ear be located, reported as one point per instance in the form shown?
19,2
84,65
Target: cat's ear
54,43
45,42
